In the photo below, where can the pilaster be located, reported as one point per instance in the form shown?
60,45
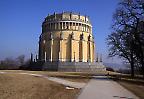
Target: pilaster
51,48
51,52
55,25
60,51
91,51
59,25
45,56
72,47
81,47
62,26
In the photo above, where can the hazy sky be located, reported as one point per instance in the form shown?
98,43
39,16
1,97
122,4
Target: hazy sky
21,20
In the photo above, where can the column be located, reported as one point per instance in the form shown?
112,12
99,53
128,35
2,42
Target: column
40,51
65,25
44,49
83,50
81,46
59,25
72,48
80,27
86,28
68,25
90,29
50,26
93,52
83,27
45,56
60,51
75,26
89,50
72,25
55,25
60,47
51,48
62,26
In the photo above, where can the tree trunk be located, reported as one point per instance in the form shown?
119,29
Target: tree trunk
132,64
142,60
143,69
132,69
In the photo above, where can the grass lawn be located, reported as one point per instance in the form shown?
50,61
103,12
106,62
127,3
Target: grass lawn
16,86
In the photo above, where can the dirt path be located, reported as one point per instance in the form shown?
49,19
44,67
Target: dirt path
102,88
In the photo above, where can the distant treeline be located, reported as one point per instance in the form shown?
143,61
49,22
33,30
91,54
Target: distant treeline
14,63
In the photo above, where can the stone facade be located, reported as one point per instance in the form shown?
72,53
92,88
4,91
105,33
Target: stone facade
67,42
67,37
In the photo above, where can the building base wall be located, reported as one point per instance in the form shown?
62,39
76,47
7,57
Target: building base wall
71,66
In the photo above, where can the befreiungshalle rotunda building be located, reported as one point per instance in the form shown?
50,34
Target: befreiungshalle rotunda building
67,43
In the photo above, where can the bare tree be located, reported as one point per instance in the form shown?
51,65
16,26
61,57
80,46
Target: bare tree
9,63
121,46
127,40
21,59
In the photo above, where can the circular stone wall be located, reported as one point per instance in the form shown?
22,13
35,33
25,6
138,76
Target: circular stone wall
66,37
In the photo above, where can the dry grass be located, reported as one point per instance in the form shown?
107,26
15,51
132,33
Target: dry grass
137,89
71,76
135,85
17,86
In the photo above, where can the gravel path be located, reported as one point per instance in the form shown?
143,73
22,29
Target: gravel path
102,88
